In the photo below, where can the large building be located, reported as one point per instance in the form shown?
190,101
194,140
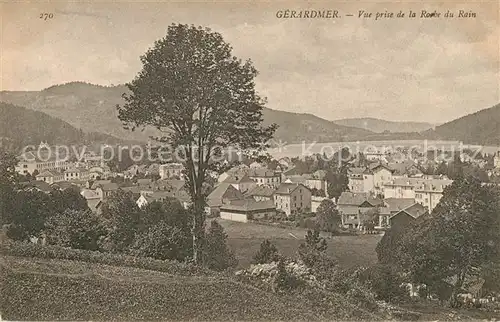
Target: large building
42,159
370,180
425,191
292,198
264,176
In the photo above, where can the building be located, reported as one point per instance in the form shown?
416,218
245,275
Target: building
370,179
407,215
147,197
50,176
93,198
407,168
317,181
223,193
171,170
263,176
76,174
356,181
353,206
105,190
429,194
426,191
496,160
390,207
260,193
247,209
292,198
241,182
42,159
315,202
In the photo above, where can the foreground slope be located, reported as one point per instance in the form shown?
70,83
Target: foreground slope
53,289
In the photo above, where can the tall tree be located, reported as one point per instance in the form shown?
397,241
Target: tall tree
460,237
8,182
203,99
328,217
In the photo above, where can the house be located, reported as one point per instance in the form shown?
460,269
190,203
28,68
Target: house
260,193
390,207
243,183
223,193
407,168
105,190
239,170
496,160
63,185
296,179
41,159
263,176
50,176
171,170
247,209
93,198
146,197
353,206
356,181
79,174
315,202
317,180
256,165
36,186
292,198
429,194
94,184
407,215
426,191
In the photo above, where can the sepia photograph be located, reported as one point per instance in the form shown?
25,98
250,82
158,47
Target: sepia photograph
253,160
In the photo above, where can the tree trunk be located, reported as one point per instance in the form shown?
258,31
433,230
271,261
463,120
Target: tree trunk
454,303
198,229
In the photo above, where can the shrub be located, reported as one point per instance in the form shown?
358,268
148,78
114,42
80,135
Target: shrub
58,252
79,229
217,255
267,253
385,281
162,241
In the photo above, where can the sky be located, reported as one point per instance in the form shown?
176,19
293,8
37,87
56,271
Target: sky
400,69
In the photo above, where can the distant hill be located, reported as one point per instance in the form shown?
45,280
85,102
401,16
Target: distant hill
20,126
93,109
296,127
482,127
380,126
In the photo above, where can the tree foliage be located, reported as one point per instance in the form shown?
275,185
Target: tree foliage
327,218
267,253
313,248
79,229
217,255
203,98
451,246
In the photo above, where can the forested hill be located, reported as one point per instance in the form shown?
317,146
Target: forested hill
20,126
482,127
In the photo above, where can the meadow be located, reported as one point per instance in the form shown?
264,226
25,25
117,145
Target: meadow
245,239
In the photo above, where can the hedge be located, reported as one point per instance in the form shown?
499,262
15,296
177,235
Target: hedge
56,252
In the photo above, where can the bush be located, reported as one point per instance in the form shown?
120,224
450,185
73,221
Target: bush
267,253
162,241
217,255
58,252
75,229
385,281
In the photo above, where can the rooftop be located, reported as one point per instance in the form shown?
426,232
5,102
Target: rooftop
248,205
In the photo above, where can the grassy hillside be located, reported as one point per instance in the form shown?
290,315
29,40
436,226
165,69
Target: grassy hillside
379,126
54,289
349,251
482,127
21,126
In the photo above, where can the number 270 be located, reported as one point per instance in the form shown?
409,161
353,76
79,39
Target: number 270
46,16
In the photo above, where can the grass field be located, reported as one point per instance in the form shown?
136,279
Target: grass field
51,289
245,238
